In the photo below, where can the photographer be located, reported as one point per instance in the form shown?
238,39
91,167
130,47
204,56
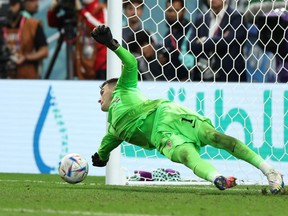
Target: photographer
26,41
89,57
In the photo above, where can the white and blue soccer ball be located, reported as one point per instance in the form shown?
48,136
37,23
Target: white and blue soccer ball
73,168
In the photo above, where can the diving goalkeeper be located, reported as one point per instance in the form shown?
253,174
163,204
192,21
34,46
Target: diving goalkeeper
175,131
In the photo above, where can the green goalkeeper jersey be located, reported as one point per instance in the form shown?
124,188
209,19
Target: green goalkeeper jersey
128,109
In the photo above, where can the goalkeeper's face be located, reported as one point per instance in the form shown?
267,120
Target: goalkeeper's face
106,96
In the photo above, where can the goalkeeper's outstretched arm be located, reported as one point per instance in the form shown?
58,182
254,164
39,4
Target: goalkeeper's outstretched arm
127,80
129,76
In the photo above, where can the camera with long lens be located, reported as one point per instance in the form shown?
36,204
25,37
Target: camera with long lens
67,28
7,66
67,4
69,18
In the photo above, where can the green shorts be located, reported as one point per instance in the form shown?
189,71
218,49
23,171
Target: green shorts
175,125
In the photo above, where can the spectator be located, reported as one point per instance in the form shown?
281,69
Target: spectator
27,41
143,46
89,57
219,36
133,11
30,8
99,58
177,35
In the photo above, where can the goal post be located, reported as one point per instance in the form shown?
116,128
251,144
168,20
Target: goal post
114,176
255,111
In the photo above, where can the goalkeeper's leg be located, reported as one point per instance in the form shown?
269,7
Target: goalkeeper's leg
208,135
188,155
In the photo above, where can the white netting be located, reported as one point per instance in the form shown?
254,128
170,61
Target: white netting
246,43
251,46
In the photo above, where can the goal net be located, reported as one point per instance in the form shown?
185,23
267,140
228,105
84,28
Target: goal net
231,68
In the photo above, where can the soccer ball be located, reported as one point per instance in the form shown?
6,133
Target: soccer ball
73,168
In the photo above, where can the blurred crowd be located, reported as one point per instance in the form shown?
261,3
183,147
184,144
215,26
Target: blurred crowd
23,42
214,46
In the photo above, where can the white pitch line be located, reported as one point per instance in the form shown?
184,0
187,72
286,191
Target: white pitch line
41,182
34,181
61,212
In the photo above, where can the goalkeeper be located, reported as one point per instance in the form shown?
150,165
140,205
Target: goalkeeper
175,131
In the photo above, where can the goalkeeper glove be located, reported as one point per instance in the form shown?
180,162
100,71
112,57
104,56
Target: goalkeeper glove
96,161
102,34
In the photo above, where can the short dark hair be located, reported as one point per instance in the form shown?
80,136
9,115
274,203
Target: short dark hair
132,2
109,81
172,1
11,2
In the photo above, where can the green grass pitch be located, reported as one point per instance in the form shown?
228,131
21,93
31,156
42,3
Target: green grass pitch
41,195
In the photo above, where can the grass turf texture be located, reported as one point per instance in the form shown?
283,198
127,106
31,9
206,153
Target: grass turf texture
27,194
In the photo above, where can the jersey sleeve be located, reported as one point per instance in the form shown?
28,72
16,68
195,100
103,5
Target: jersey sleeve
109,142
129,75
40,38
